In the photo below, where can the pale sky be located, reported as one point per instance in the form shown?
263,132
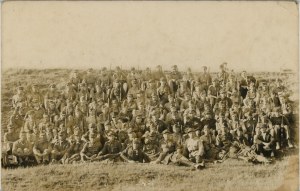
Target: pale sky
247,35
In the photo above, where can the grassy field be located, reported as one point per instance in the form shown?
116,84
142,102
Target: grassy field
230,175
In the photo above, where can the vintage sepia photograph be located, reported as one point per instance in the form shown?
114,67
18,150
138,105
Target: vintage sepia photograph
149,95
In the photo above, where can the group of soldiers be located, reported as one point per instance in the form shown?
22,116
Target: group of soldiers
156,117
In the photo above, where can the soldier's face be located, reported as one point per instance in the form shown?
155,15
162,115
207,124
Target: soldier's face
138,119
166,136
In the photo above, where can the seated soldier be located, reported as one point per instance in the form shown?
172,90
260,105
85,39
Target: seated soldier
246,153
22,149
210,151
76,146
8,139
173,153
223,139
91,148
134,153
111,149
42,149
60,147
168,146
151,145
264,142
193,147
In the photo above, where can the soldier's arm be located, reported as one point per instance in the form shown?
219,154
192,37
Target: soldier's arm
200,147
36,151
104,150
256,140
123,155
146,158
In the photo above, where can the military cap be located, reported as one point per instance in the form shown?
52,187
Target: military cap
92,125
264,126
136,141
188,130
106,123
111,133
62,133
162,79
30,112
222,91
139,113
9,126
92,134
52,85
277,109
20,88
205,127
166,132
151,81
139,92
77,128
130,130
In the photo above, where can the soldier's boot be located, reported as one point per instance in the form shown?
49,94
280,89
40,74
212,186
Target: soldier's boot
277,146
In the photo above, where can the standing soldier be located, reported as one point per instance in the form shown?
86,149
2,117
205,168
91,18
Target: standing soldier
19,98
34,97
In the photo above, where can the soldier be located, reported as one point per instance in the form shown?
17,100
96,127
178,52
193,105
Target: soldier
212,92
163,91
243,85
42,149
30,122
76,145
194,147
129,103
34,97
91,148
111,149
134,153
23,149
205,78
60,147
208,140
263,141
18,98
151,145
9,138
281,130
168,146
134,89
151,88
52,95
